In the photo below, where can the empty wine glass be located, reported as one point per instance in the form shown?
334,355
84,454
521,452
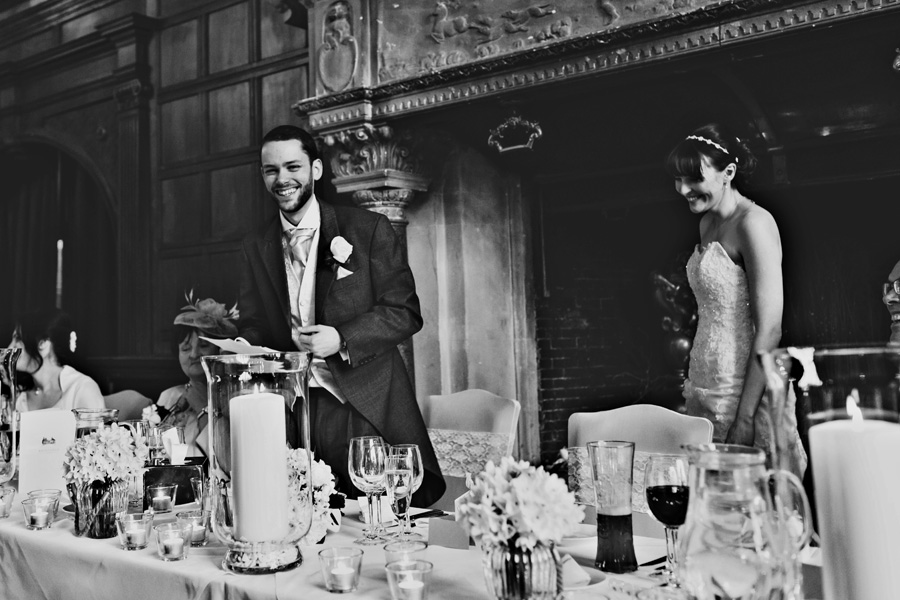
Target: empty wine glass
412,458
665,483
366,460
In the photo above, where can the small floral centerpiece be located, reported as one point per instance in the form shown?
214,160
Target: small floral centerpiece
518,512
324,495
98,469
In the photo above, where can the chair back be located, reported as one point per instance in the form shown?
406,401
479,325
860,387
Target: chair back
653,429
468,429
129,402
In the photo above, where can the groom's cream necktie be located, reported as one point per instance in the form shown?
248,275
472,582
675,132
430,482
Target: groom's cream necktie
300,242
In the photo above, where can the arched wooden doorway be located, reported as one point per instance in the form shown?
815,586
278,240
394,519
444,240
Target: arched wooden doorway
49,196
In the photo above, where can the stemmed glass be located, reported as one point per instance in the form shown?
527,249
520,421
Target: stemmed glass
398,480
411,458
665,483
366,462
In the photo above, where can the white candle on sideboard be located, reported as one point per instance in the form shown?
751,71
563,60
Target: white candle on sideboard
857,485
59,269
259,467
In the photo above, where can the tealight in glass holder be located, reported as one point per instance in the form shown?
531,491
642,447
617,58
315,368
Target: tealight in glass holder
340,568
39,512
161,497
172,541
404,551
134,529
409,580
198,523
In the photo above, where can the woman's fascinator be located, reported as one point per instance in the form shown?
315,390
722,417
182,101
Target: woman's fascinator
209,317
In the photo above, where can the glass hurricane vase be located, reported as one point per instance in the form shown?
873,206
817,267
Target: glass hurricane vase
257,403
514,573
96,504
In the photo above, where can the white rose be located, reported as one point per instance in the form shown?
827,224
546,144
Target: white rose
341,249
149,414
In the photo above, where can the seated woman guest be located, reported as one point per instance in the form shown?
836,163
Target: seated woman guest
185,405
46,377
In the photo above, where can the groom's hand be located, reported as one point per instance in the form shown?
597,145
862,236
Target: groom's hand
321,340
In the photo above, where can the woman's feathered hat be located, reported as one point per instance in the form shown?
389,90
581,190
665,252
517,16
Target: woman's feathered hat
209,317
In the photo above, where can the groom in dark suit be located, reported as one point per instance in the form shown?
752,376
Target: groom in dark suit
333,280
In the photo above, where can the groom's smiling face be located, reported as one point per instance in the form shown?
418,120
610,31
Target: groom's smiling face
289,175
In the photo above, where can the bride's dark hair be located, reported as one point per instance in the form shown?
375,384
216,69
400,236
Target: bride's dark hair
722,148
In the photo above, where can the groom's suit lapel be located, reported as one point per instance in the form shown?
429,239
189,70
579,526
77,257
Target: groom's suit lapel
273,258
324,273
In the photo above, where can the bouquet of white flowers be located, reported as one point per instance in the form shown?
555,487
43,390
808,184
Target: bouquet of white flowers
106,454
299,476
516,503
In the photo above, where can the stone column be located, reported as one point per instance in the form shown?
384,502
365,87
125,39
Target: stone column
381,168
131,35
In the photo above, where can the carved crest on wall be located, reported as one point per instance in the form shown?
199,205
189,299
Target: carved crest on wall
339,50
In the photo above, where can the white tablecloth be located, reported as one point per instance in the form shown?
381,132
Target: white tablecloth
54,563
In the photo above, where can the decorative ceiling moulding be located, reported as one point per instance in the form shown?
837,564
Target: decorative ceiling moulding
712,26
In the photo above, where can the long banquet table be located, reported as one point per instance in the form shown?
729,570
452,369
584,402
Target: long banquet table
55,564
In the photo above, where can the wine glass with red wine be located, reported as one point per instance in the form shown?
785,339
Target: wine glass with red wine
666,486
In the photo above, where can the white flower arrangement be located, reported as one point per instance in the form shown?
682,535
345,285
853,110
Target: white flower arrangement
516,503
341,249
322,490
108,453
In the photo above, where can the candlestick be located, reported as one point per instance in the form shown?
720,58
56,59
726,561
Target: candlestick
59,273
259,467
857,483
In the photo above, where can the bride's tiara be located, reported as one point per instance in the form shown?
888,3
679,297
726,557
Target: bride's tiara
708,141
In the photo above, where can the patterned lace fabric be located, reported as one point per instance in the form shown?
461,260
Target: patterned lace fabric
582,485
721,350
462,452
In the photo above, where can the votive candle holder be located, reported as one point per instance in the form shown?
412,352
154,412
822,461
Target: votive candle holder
172,541
197,521
340,568
161,497
39,512
7,493
134,529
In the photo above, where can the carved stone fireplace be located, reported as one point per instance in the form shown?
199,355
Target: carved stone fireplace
533,265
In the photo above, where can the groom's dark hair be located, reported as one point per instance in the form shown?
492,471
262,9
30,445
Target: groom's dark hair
283,133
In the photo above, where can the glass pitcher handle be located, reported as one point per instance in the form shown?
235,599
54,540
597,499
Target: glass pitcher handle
797,509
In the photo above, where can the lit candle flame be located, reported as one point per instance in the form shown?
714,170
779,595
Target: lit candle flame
853,406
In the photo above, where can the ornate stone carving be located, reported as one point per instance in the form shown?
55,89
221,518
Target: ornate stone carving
339,51
392,203
371,149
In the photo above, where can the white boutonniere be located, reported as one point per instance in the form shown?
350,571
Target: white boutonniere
341,249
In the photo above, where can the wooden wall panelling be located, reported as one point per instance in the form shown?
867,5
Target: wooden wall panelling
229,43
178,53
232,201
185,219
275,37
183,129
279,91
230,118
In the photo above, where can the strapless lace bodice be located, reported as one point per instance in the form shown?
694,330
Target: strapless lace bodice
721,350
725,329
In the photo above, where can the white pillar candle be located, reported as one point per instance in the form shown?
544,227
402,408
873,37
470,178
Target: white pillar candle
857,484
259,467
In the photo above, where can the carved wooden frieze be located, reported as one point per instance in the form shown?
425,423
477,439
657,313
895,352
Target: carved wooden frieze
422,36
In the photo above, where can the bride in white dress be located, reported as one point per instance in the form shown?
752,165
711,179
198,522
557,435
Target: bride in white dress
735,273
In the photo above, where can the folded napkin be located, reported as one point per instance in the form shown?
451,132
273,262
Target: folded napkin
574,576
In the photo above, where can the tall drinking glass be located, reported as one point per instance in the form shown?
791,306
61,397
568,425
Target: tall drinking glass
398,482
666,486
8,426
366,463
412,457
611,469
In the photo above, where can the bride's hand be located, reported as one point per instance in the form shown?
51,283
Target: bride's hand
742,431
